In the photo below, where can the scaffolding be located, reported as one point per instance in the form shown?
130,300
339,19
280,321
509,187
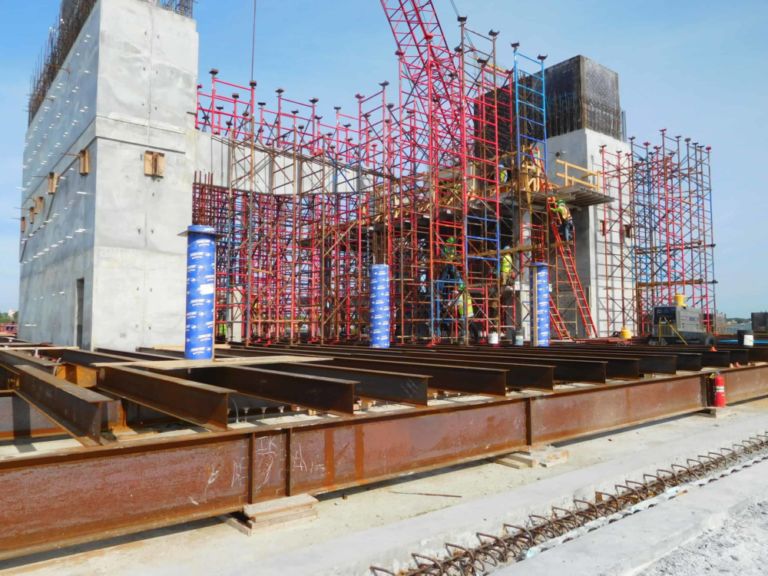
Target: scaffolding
674,253
615,233
293,212
655,240
447,185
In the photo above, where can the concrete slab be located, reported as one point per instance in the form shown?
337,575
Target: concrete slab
628,546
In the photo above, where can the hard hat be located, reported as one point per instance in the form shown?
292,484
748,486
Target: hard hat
561,202
451,240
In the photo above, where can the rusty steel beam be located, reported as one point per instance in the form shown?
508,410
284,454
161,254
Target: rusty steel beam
651,359
476,378
744,384
518,376
19,419
624,365
137,486
456,376
688,360
717,359
739,356
139,355
9,360
334,395
86,358
691,361
79,411
201,404
564,368
660,362
757,354
374,384
568,415
567,368
647,363
54,499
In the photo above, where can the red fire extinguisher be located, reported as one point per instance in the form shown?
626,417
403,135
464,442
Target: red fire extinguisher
718,382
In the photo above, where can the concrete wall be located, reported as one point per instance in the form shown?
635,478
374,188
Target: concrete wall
57,248
135,70
147,83
582,147
273,172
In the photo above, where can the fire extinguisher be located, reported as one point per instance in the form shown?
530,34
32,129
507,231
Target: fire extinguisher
718,384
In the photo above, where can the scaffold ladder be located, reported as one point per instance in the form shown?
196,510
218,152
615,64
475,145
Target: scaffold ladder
566,259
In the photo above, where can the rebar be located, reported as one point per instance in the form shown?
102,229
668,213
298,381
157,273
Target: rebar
514,542
62,36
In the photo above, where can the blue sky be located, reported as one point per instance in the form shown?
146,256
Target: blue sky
696,67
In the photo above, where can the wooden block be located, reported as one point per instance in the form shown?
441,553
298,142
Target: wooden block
518,460
279,506
256,517
149,163
546,457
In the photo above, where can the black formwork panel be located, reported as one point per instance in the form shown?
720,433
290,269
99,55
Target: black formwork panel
582,93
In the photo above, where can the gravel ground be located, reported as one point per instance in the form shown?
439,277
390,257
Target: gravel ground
739,546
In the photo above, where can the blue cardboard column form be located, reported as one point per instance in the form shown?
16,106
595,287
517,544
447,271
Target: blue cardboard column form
201,292
380,306
540,307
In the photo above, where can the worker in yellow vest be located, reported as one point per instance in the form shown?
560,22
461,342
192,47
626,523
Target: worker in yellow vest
460,302
505,174
464,303
221,329
450,254
566,221
506,267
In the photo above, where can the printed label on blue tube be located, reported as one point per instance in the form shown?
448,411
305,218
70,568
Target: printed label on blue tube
201,293
380,306
540,287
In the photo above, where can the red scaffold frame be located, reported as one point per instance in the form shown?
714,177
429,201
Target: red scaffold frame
430,184
658,238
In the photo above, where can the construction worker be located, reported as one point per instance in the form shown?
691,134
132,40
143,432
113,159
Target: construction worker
464,303
531,173
566,221
450,255
464,293
506,267
449,248
505,174
221,329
